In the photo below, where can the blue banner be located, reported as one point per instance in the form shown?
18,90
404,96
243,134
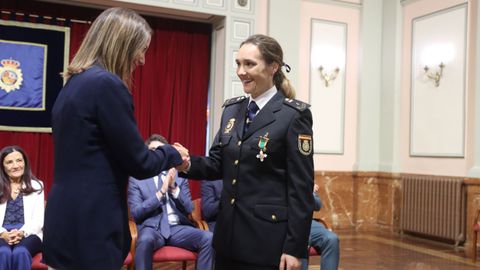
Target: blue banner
22,75
32,57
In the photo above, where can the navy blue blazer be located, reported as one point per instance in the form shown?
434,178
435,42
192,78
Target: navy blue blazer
146,208
266,204
211,192
97,146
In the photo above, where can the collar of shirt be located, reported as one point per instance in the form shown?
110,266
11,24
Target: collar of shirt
155,179
264,98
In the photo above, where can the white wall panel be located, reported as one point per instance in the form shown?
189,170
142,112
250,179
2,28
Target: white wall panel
328,49
438,112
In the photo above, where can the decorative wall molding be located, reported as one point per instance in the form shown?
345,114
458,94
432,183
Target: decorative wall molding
407,2
237,89
342,3
437,112
328,50
215,4
234,63
187,2
243,6
242,28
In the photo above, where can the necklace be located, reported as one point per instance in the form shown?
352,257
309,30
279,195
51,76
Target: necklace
15,188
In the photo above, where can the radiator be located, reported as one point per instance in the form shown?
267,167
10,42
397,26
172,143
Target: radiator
434,206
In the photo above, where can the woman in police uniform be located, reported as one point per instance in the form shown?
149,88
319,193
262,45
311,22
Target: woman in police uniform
263,153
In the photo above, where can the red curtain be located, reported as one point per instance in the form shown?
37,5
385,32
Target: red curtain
170,93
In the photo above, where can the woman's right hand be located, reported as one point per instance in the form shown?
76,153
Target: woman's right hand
11,237
5,236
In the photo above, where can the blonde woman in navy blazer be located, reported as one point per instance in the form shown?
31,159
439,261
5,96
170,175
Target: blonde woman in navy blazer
98,146
20,227
267,169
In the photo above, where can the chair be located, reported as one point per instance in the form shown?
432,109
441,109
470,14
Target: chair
312,252
175,254
169,253
37,262
476,229
196,215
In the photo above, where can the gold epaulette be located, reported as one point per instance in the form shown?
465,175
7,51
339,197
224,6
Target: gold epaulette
296,104
233,101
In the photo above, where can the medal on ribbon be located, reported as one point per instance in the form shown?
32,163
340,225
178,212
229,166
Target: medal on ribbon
262,144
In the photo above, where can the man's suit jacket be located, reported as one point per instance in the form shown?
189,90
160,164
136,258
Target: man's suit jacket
97,147
146,208
33,211
211,192
266,206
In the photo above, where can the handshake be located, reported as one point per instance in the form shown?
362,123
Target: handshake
185,166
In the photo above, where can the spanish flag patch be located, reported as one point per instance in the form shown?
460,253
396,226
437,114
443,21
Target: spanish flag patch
305,144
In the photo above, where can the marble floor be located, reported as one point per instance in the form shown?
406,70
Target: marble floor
385,251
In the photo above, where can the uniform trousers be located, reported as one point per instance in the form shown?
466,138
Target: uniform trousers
222,263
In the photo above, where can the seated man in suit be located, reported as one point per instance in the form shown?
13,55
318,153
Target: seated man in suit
160,207
211,191
323,240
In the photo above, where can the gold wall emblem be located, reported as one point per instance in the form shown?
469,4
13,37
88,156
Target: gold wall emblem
11,77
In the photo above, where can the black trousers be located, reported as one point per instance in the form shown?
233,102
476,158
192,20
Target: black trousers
222,263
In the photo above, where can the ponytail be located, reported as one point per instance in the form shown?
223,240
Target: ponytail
283,84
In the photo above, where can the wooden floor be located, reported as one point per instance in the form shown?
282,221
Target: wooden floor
385,251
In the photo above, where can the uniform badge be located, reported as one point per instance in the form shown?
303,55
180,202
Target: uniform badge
305,144
11,77
262,144
229,126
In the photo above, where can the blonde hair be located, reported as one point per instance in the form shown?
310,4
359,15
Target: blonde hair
272,53
115,38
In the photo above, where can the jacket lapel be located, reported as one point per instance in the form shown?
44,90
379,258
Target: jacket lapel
266,115
152,189
241,117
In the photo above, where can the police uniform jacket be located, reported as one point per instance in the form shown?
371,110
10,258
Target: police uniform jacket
266,206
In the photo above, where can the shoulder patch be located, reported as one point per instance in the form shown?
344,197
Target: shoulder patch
296,104
233,101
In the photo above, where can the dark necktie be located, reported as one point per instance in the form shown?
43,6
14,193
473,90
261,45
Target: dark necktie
252,109
164,225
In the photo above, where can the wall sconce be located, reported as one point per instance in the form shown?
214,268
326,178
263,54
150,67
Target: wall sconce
328,78
435,75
